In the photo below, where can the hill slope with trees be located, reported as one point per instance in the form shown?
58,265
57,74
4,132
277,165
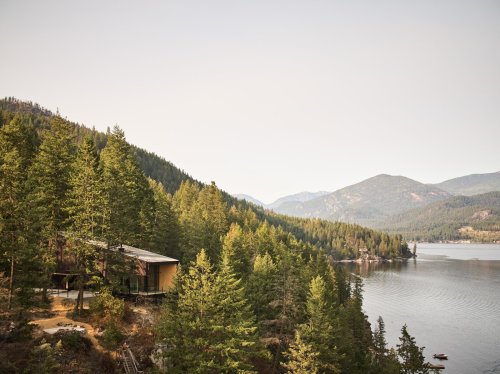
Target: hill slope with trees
473,184
458,218
255,290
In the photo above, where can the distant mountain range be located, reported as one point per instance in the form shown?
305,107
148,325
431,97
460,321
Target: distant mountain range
368,201
250,199
298,197
386,202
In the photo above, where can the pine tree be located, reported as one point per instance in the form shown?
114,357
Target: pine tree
384,360
16,154
318,331
165,226
302,358
234,330
411,355
288,303
85,209
261,286
185,327
125,187
191,223
50,176
356,336
379,342
210,327
213,211
235,245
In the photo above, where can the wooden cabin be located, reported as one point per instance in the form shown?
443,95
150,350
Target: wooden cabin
154,273
151,273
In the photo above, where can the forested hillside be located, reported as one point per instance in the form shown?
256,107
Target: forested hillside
458,218
256,290
473,184
338,239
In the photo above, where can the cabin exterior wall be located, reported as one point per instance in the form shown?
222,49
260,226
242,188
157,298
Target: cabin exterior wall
167,274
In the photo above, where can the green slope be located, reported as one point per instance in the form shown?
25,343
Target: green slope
460,217
152,165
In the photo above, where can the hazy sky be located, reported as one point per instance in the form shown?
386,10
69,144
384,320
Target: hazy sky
271,97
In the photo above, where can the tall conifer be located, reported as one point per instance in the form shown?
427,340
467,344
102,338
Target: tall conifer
50,178
85,209
16,154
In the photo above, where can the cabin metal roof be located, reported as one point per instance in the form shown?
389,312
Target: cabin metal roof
142,254
137,253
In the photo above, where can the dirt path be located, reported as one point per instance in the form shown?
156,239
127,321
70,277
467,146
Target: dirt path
60,309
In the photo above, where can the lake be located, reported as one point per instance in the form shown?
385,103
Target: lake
449,298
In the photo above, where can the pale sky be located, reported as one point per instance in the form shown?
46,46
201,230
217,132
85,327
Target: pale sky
270,97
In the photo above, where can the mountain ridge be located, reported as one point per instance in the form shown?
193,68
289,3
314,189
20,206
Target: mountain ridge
368,200
457,218
472,184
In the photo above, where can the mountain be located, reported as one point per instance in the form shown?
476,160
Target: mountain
459,217
472,184
249,199
300,197
295,198
369,201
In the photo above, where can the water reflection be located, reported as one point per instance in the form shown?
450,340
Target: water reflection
365,269
449,305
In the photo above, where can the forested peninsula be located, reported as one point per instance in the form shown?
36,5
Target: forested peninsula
254,291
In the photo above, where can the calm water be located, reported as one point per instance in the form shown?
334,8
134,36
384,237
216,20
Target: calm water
449,298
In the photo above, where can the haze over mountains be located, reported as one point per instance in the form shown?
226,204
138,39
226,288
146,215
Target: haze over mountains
379,201
298,197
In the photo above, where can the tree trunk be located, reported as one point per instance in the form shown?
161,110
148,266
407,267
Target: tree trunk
80,295
44,294
11,282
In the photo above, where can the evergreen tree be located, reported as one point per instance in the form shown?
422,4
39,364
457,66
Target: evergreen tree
356,336
379,342
185,326
213,211
289,299
210,327
235,245
234,330
126,188
16,154
302,359
261,286
165,227
384,360
85,209
411,355
318,331
50,178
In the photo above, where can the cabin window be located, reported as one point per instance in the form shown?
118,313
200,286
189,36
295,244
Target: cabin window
153,277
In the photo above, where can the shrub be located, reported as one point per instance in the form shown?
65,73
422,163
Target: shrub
105,305
74,341
43,359
112,336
